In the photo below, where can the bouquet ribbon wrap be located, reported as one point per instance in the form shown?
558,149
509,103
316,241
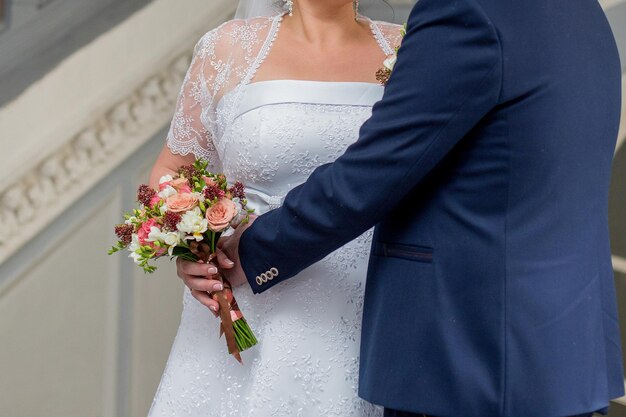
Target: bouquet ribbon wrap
229,310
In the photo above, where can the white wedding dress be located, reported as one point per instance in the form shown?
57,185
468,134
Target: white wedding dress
271,135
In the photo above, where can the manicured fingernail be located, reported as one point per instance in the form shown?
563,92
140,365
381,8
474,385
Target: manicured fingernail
218,287
229,262
212,270
213,308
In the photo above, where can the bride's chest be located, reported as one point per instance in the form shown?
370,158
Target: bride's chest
287,141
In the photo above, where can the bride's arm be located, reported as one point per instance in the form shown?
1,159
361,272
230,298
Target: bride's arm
168,163
447,78
188,138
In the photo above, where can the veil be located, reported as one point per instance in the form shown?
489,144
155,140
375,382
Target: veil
256,8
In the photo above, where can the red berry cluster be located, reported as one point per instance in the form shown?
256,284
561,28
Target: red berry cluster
213,192
145,194
188,171
125,233
171,220
238,190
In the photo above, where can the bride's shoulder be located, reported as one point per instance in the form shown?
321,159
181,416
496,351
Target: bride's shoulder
391,31
237,30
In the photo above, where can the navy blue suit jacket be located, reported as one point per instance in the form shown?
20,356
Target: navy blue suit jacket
485,169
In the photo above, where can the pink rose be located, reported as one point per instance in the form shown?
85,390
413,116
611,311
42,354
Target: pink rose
144,231
209,182
220,214
181,202
181,185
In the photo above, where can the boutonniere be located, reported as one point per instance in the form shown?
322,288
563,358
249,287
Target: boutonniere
384,73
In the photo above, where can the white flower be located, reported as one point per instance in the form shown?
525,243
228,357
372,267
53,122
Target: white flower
166,178
154,235
171,239
168,191
134,243
163,209
193,223
390,62
131,221
133,248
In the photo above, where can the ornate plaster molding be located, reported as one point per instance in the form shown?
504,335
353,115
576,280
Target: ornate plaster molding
49,188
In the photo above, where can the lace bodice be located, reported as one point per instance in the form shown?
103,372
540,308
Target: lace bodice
282,130
224,61
306,363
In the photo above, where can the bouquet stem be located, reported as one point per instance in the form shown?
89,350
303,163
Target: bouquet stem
227,327
235,328
243,334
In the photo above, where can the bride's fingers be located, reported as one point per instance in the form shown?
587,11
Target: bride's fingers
195,268
206,300
223,261
203,284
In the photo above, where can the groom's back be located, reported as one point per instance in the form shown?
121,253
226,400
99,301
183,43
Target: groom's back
561,104
521,306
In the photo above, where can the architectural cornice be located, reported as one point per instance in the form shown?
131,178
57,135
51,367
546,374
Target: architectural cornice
37,198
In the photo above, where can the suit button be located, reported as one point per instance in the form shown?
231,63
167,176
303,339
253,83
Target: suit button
258,280
274,272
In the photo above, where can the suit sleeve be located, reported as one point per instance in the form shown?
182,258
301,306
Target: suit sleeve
447,78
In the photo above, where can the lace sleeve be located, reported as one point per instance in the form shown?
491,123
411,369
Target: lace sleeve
191,129
391,33
224,59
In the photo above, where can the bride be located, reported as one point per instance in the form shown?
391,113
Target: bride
267,100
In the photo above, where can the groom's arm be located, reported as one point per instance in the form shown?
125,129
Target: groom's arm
448,77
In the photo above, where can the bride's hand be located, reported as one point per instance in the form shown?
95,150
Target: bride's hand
198,277
228,255
201,278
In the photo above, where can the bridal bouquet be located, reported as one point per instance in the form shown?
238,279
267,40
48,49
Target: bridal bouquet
185,219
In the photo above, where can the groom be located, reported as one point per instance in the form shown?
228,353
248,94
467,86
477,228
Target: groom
485,168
